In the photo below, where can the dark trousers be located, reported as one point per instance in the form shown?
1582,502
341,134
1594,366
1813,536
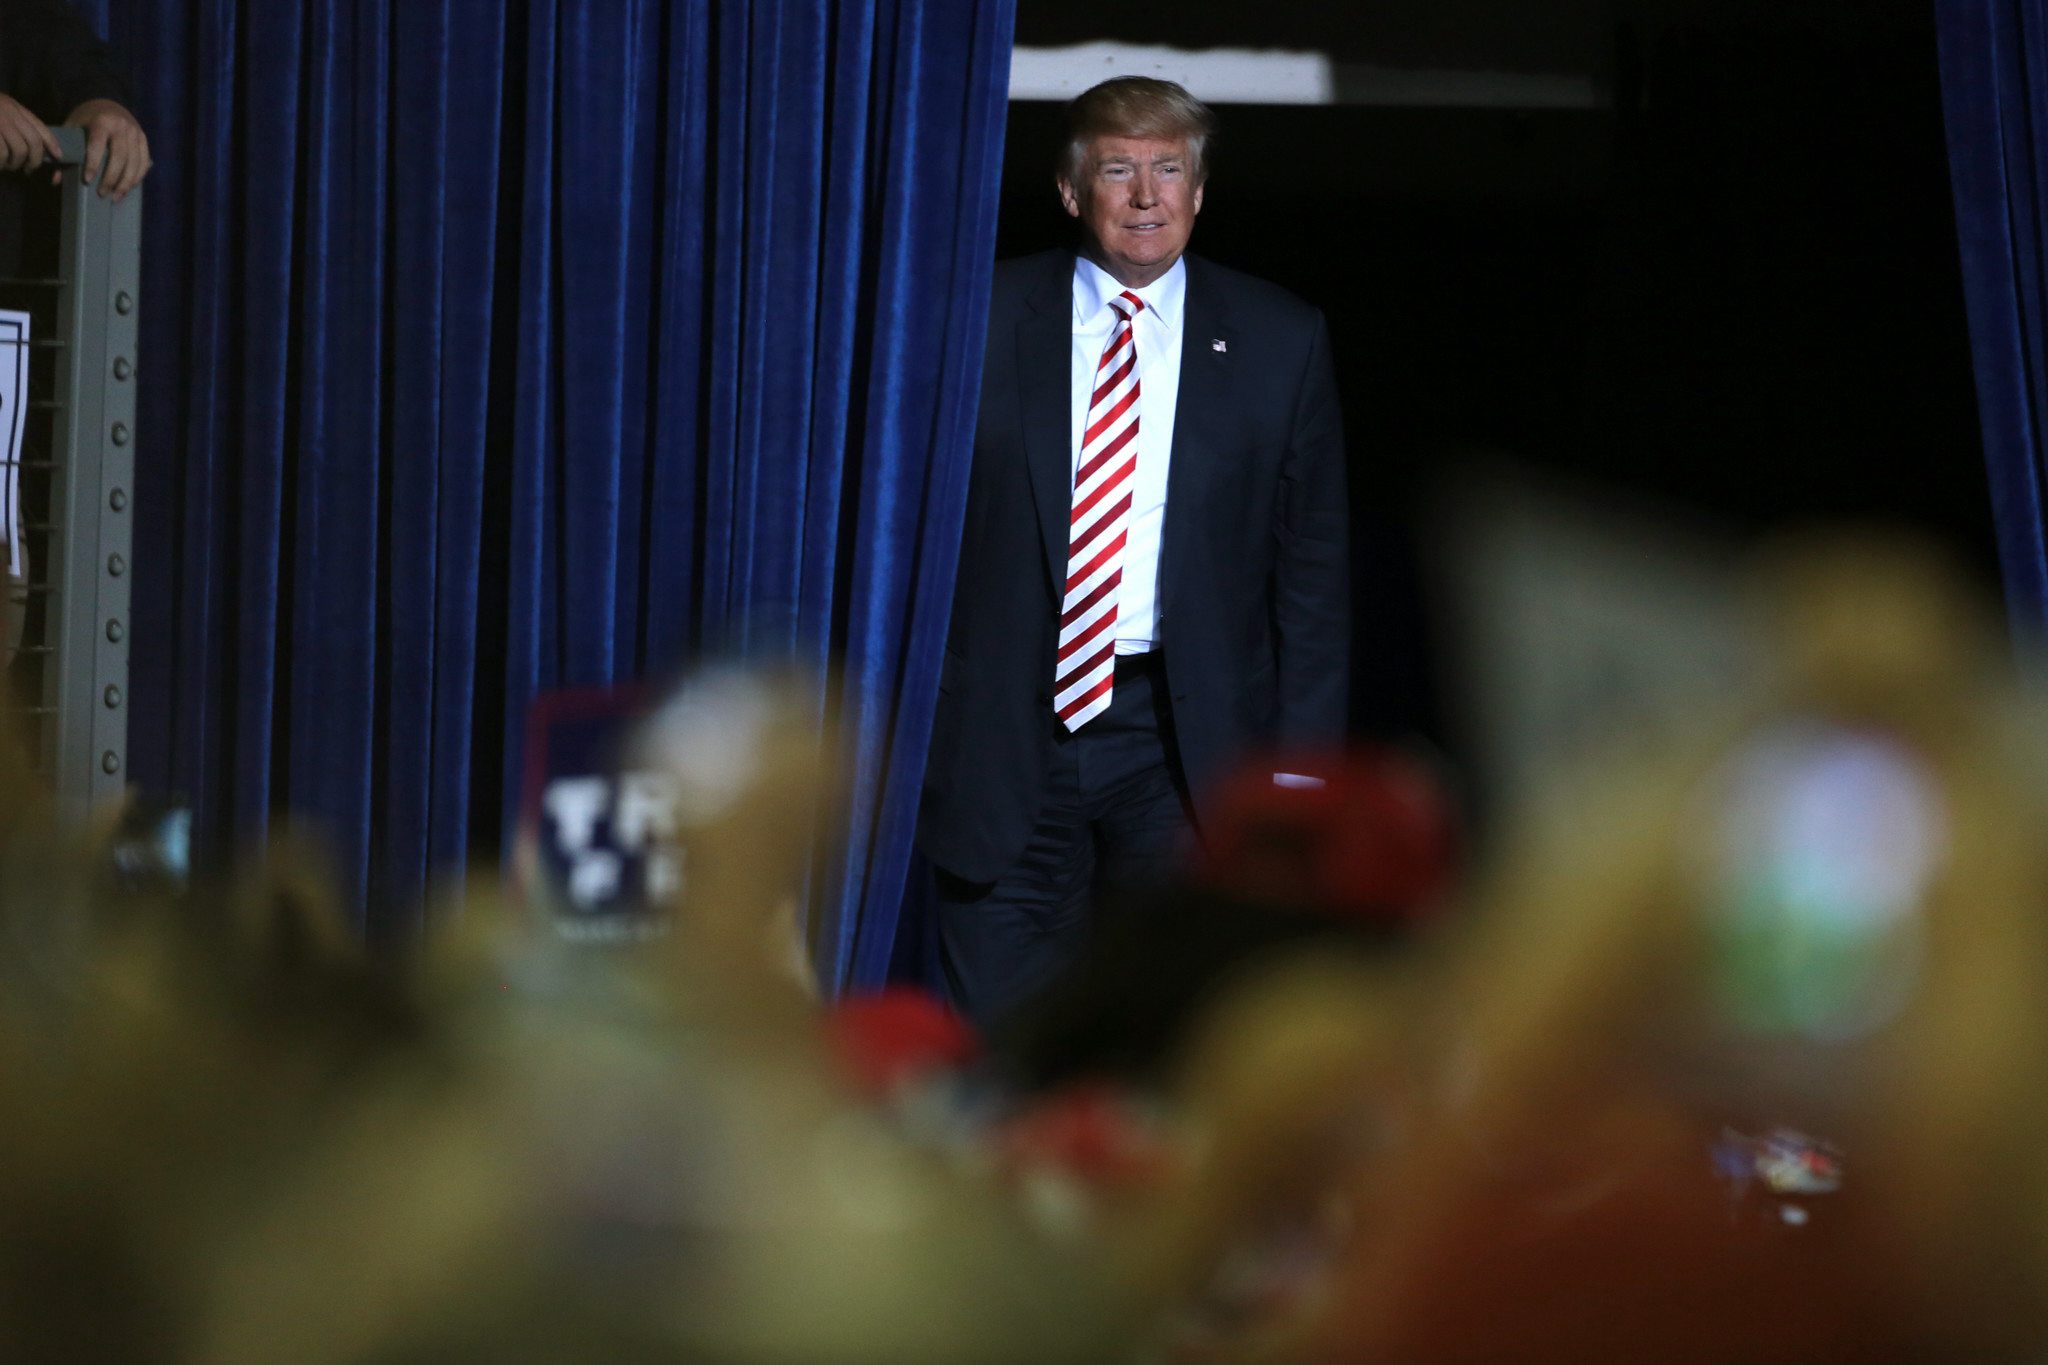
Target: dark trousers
1115,817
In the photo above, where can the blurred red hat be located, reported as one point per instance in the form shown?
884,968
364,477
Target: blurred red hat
896,1035
1094,1132
1366,834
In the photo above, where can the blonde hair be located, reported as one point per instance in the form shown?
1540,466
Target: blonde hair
1137,106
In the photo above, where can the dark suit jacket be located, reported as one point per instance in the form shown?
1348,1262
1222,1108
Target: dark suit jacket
1254,588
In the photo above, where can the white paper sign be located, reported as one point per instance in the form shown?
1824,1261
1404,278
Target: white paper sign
14,352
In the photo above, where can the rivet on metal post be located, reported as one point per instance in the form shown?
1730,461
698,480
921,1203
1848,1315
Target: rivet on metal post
113,697
116,632
120,433
123,371
110,763
116,565
118,499
124,303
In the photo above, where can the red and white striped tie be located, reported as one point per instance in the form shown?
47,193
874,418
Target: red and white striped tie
1098,527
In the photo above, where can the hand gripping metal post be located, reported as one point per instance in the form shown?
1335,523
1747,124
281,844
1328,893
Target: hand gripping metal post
87,553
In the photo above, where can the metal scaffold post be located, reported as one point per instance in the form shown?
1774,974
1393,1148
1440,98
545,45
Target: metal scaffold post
74,485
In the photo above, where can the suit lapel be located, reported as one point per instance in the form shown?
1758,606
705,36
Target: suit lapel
1200,411
1045,350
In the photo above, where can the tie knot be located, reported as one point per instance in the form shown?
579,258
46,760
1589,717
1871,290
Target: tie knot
1127,305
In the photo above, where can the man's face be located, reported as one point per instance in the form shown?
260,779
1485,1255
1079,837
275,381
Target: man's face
1138,198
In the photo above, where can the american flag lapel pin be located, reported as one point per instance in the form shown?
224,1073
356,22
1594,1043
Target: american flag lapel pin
1219,345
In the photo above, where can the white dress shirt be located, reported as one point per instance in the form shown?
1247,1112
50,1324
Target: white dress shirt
1158,338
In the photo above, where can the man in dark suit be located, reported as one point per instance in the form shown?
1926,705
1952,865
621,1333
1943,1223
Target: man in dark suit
1153,578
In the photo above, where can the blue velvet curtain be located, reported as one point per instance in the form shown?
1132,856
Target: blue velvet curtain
499,345
1994,77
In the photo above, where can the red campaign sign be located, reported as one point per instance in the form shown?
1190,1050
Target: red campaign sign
598,848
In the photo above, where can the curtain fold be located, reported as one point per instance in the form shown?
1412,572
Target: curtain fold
497,347
1994,77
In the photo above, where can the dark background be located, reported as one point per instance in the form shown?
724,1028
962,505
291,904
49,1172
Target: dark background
1734,292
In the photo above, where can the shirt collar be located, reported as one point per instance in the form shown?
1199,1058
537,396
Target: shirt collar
1094,287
